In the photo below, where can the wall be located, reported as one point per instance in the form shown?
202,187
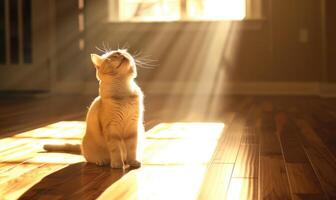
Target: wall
68,57
283,48
296,56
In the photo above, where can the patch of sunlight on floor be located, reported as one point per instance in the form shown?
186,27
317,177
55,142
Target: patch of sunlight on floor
55,158
158,182
175,163
181,142
63,129
190,130
28,146
242,188
166,143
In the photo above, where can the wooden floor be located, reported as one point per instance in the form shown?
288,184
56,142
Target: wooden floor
196,147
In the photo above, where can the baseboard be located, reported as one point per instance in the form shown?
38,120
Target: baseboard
71,87
235,88
23,93
328,90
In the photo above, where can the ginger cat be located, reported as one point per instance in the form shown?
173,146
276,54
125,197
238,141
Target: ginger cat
114,120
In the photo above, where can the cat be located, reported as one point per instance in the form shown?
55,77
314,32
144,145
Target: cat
114,122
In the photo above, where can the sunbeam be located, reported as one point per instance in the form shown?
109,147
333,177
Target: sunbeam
185,146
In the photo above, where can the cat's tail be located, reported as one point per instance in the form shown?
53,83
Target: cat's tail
72,148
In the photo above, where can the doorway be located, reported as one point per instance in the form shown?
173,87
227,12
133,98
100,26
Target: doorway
24,45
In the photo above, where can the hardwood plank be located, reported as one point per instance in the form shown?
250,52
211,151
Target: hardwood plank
166,143
250,139
243,188
216,182
27,148
17,186
309,197
323,162
287,132
322,119
44,196
175,182
82,180
92,186
16,170
186,130
269,143
246,165
228,145
21,174
273,178
19,106
20,155
56,158
44,111
247,161
302,179
7,144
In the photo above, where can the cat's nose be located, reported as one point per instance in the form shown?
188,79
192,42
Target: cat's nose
118,55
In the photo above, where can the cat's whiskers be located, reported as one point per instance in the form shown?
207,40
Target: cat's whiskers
145,65
143,61
125,46
106,47
99,49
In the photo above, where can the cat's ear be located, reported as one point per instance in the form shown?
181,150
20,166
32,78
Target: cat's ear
96,59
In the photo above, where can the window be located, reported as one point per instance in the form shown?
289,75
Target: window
15,32
81,24
174,10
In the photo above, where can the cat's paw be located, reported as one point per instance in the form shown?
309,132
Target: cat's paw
102,162
117,165
134,163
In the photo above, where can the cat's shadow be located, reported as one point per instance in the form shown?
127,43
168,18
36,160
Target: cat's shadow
75,181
